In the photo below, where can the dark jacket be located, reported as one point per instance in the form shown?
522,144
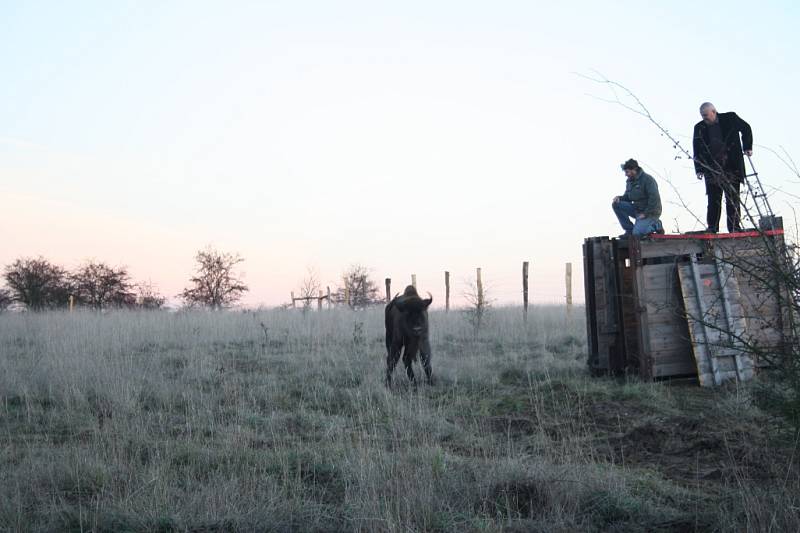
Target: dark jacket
731,126
642,192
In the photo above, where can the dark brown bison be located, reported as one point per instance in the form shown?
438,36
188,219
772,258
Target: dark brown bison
407,330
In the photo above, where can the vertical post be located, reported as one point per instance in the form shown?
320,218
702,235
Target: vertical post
414,280
525,291
319,301
329,297
480,289
568,280
71,303
446,291
292,299
388,290
346,292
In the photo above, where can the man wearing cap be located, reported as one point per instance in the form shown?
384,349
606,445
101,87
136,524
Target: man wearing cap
718,158
641,202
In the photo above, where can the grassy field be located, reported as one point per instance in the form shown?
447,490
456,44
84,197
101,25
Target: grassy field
279,421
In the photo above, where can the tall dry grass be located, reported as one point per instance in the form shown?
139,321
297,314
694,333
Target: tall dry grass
279,421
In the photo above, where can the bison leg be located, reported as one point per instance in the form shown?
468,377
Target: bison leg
425,356
392,358
408,360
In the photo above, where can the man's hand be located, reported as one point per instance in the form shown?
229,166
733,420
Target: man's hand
641,216
700,175
615,200
748,153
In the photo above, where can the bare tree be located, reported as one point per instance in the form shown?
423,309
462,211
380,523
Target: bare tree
148,297
37,283
5,299
359,290
100,286
215,283
478,306
309,287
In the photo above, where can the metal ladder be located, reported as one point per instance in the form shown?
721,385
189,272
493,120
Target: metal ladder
766,217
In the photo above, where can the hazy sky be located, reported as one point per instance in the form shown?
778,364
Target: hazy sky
411,137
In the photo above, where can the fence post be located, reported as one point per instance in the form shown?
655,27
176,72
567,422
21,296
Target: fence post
414,280
480,289
293,300
388,282
569,288
319,301
329,297
446,291
525,291
71,303
346,292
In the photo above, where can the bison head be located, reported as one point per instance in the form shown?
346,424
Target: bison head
415,311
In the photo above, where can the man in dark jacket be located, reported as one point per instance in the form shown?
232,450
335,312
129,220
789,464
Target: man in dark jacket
718,158
640,202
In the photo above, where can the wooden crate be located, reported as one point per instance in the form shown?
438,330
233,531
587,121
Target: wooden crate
655,306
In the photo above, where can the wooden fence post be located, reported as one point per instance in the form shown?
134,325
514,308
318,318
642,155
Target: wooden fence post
319,301
446,291
525,291
346,292
71,303
568,281
329,297
414,280
480,289
388,290
293,300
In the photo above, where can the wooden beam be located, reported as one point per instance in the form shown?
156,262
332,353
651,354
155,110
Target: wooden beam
446,291
568,282
480,288
525,291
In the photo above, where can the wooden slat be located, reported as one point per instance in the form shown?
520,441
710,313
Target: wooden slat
711,300
651,249
678,341
674,369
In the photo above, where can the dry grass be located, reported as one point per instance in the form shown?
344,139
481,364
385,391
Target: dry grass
210,422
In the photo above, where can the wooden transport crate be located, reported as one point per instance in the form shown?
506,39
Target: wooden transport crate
681,305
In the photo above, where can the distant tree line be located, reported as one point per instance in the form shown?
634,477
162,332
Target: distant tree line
37,284
357,291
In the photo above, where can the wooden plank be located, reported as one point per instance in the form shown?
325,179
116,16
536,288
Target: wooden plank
675,352
711,300
650,249
660,276
695,310
675,369
670,342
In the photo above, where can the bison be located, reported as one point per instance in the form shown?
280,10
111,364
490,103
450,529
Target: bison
407,330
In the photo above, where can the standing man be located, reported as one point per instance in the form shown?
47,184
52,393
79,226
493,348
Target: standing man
718,158
641,202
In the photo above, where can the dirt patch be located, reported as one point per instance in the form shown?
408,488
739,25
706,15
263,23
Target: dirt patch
686,444
523,498
691,449
514,425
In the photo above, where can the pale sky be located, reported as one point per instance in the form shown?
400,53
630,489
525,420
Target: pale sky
412,137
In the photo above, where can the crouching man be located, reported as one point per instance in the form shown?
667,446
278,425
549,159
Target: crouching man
641,202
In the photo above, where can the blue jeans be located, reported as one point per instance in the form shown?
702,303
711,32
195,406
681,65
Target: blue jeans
625,211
